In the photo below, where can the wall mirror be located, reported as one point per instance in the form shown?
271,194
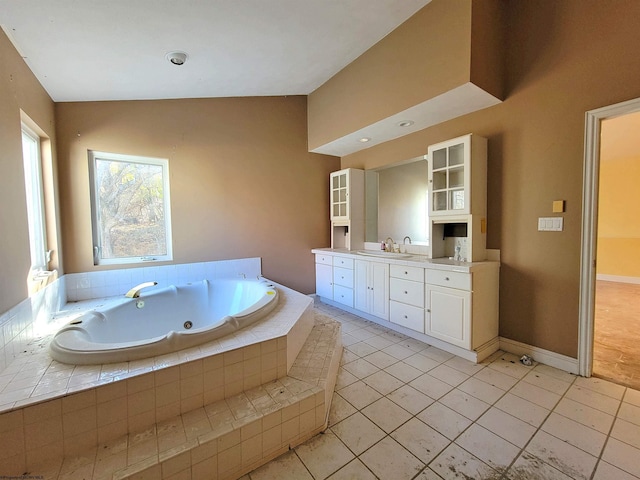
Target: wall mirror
396,202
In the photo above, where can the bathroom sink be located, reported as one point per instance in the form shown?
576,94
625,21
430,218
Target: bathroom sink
374,253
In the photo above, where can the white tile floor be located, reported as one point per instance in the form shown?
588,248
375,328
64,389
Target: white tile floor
405,410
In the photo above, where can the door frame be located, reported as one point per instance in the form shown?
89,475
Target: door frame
590,185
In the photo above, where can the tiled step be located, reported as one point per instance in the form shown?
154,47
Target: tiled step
228,438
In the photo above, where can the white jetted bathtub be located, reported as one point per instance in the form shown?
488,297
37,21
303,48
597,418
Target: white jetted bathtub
163,320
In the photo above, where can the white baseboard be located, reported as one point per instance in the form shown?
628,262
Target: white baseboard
474,356
553,359
617,278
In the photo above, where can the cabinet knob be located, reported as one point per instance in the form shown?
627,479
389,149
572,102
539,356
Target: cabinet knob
406,273
406,316
405,292
446,278
428,310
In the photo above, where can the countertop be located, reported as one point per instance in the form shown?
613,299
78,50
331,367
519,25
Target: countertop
411,260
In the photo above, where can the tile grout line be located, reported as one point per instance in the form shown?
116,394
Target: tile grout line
473,422
492,405
524,448
606,440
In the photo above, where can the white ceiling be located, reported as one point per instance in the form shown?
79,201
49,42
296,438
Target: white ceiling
85,50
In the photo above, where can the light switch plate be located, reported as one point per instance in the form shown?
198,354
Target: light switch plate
550,224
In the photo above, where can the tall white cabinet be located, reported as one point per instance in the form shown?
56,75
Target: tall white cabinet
458,193
347,213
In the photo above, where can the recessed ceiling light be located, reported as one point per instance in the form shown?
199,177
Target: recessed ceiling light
405,123
364,139
177,58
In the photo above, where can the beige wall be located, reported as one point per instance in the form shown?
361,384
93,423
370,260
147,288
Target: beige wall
563,59
242,181
19,90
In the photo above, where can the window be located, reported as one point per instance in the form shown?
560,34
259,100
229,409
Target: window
130,208
35,198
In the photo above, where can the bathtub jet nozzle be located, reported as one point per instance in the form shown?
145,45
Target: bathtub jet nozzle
135,291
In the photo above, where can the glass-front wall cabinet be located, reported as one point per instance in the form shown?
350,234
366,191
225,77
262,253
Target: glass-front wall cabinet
450,177
340,195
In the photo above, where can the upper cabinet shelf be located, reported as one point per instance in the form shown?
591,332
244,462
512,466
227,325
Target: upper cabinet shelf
346,194
458,176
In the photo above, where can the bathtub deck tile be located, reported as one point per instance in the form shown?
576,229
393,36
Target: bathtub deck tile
147,451
36,362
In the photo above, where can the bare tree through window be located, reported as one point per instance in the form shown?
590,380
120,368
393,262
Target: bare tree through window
129,208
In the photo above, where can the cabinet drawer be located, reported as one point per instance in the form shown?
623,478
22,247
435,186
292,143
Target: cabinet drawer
343,262
343,295
324,259
406,291
459,280
343,276
407,316
409,273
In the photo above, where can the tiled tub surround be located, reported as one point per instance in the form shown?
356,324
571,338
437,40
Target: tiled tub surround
52,409
31,319
220,440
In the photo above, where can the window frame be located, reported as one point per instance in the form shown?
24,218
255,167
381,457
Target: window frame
34,193
94,156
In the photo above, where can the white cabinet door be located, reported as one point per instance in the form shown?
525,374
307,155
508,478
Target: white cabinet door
372,288
324,280
379,274
339,192
449,176
362,289
448,315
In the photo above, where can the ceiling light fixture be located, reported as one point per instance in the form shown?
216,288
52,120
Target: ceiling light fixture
405,123
364,139
177,58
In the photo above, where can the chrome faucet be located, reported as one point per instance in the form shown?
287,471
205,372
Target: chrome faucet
135,291
404,240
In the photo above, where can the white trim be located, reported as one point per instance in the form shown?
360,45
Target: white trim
32,161
593,118
163,163
603,277
541,355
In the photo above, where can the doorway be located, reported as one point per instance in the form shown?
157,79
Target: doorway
610,285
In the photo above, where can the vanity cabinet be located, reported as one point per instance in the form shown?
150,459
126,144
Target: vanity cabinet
406,297
324,276
451,305
372,288
462,308
343,281
448,307
458,176
334,278
346,208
